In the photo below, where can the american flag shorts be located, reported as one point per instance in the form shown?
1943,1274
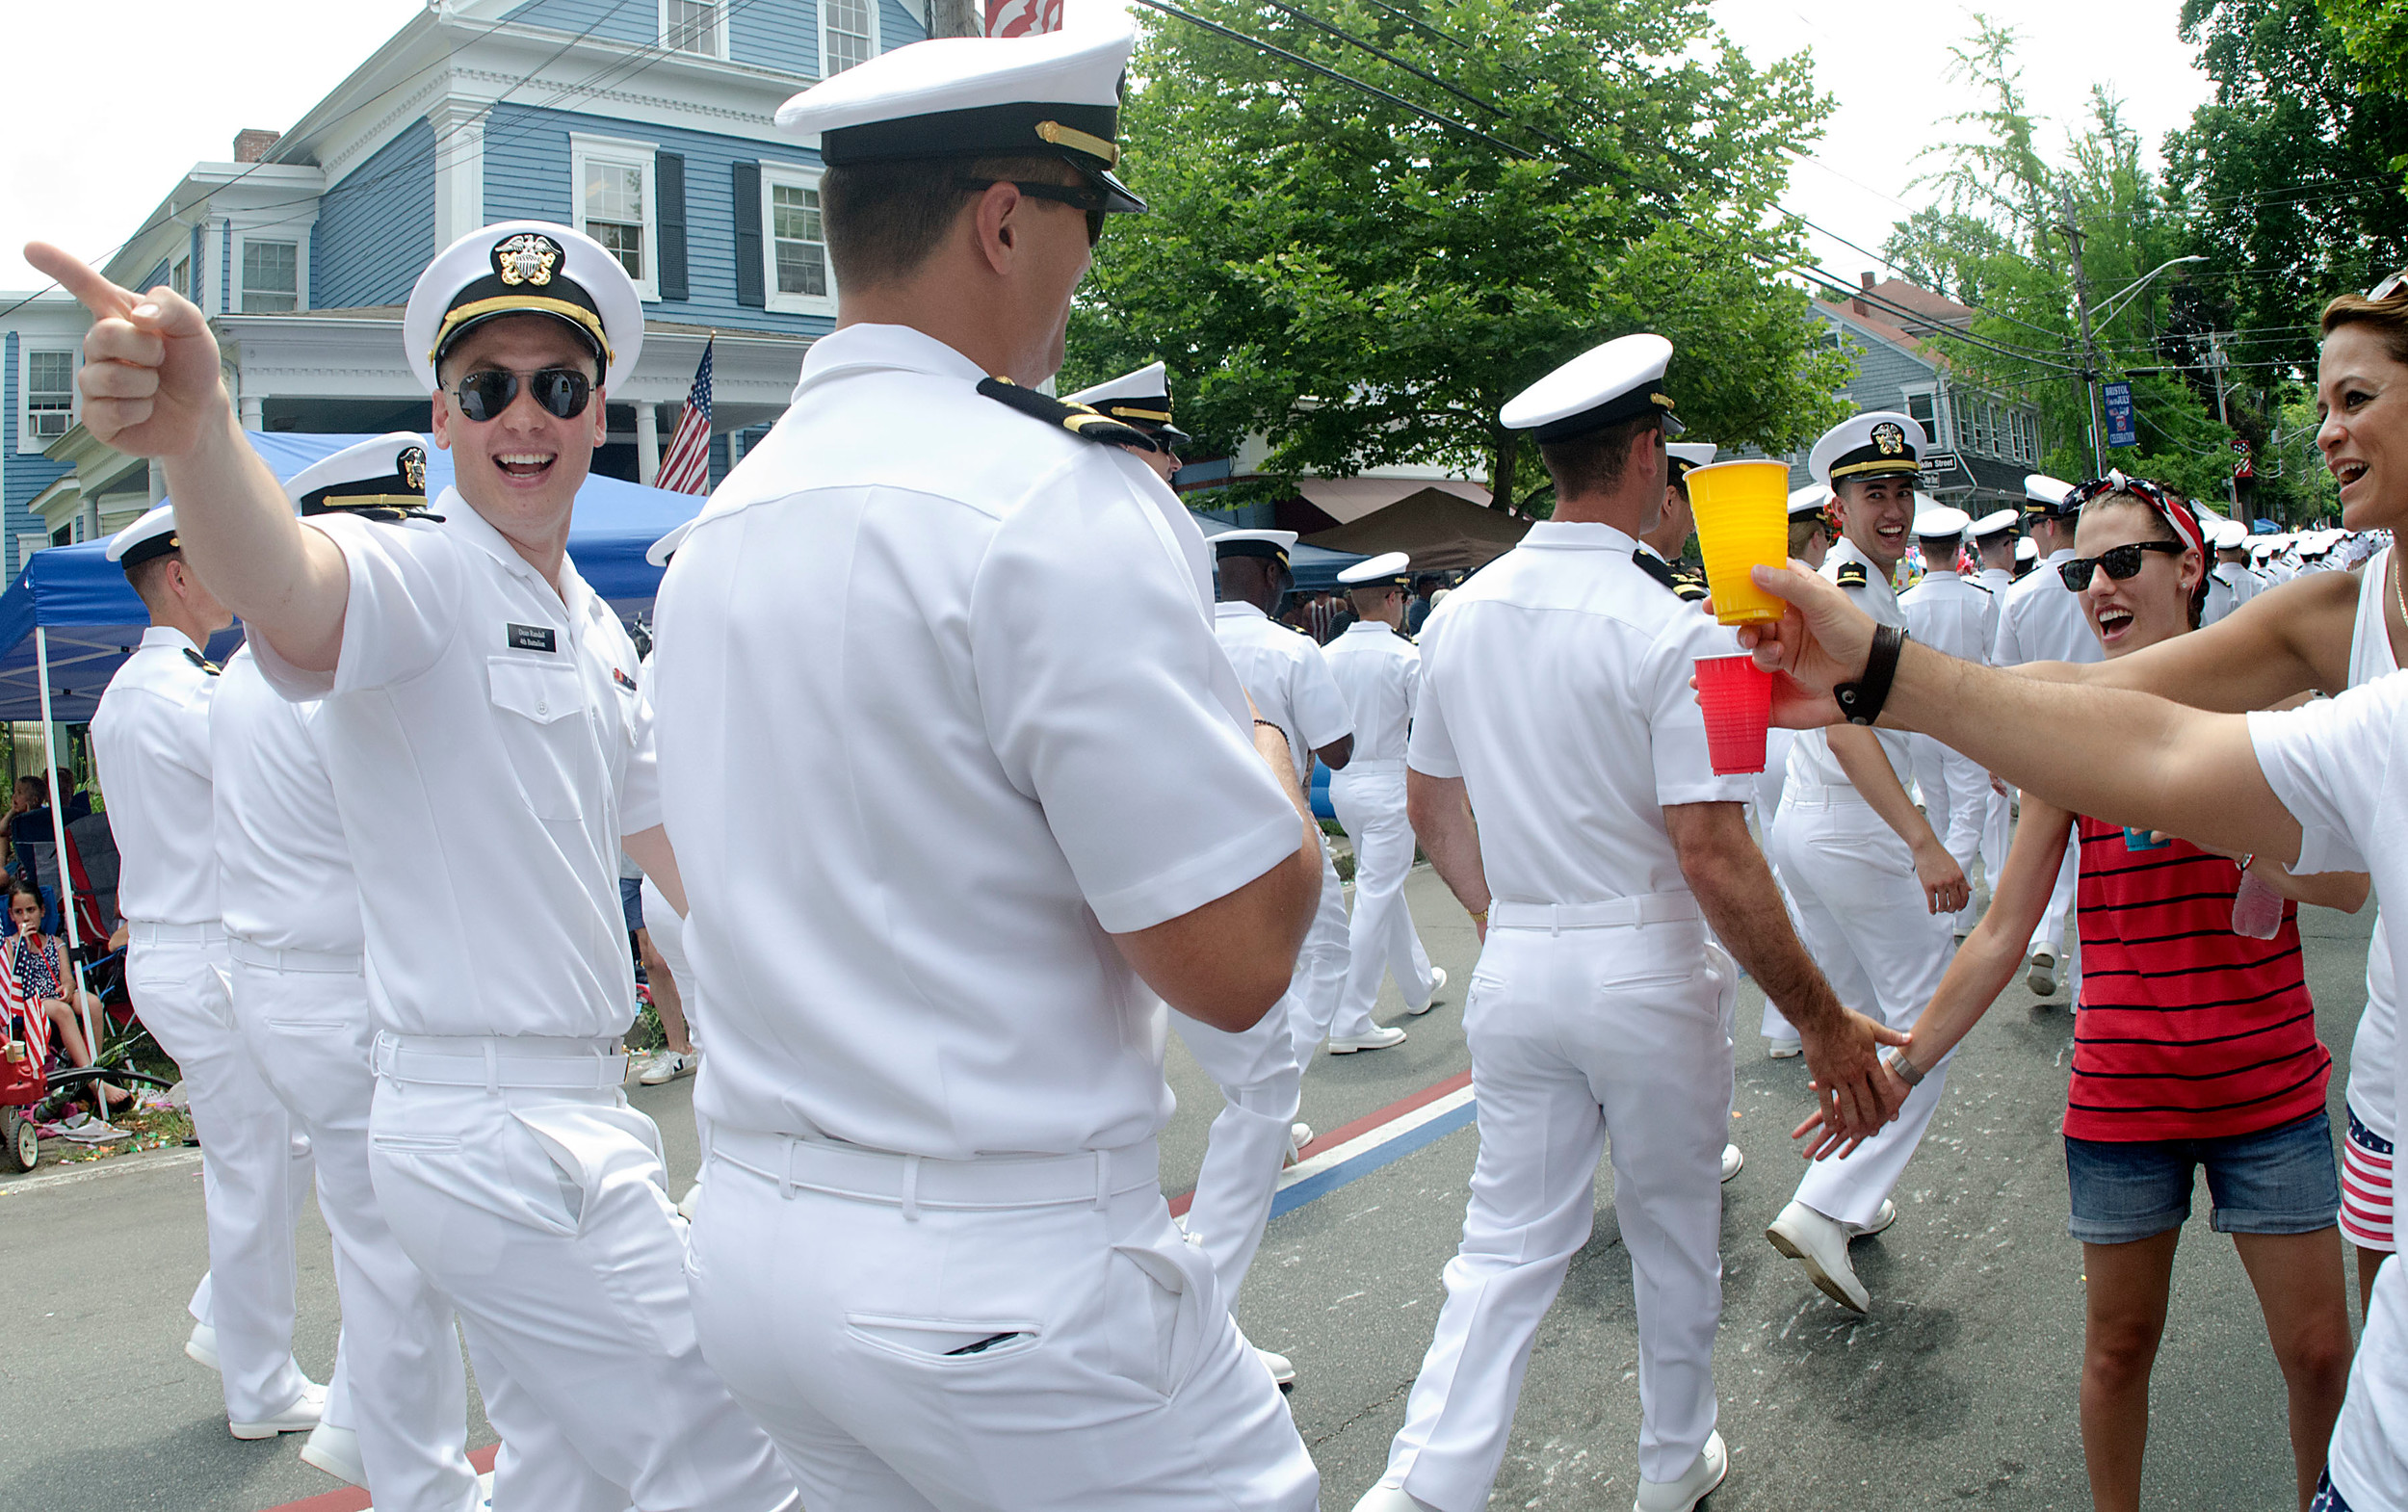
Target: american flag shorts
2367,1188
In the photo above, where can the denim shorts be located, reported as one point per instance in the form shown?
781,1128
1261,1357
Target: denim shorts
631,901
2282,1179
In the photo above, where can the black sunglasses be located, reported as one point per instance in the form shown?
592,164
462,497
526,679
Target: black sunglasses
562,392
1081,197
2120,561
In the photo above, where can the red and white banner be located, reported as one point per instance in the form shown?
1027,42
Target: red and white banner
1022,18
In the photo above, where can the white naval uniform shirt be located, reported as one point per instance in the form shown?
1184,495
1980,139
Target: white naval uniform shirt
488,746
1555,683
1811,761
2244,584
151,746
934,719
1997,580
2042,620
1379,671
1952,614
284,871
1284,672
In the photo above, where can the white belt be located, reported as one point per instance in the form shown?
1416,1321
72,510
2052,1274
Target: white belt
315,962
912,1182
142,931
1367,767
1816,796
494,1062
1619,913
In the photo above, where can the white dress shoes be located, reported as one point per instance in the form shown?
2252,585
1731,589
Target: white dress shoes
202,1346
1785,1049
1880,1220
1437,985
1732,1159
336,1451
1282,1369
1391,1498
1821,1245
1714,1462
2041,973
1381,1036
304,1412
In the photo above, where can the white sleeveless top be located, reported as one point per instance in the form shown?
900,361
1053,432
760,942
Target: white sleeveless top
2370,1051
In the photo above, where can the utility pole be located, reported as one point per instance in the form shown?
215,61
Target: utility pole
956,18
2089,347
2216,365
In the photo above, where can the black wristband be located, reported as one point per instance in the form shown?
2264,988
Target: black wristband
1860,700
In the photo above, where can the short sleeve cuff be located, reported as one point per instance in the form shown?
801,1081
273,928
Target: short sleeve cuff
1201,879
2273,737
1734,789
289,682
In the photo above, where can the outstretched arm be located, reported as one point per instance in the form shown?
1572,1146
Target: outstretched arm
152,387
2281,644
2123,757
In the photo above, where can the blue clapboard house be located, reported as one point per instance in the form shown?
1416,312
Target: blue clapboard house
646,123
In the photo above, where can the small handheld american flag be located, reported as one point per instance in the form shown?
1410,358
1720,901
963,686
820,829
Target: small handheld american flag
685,467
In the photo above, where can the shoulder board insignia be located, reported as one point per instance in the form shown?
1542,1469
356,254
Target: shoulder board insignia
1092,425
1658,568
1852,575
1690,583
200,660
1982,588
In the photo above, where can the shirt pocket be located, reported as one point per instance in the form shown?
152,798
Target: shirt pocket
539,715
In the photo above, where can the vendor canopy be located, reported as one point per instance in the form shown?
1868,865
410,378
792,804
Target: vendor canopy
1315,569
93,620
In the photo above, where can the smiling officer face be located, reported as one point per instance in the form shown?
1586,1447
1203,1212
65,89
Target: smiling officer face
520,468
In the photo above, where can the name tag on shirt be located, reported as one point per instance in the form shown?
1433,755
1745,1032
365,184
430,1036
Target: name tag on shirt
533,637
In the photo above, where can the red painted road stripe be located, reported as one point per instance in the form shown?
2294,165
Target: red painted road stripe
351,1498
1356,1130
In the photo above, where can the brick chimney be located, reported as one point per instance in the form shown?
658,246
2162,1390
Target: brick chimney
253,146
1858,305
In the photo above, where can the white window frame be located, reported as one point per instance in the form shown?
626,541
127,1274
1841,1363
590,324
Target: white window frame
878,44
674,51
181,267
793,175
619,152
26,440
1907,394
297,239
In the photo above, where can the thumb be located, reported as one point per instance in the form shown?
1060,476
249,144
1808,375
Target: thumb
1884,1035
79,278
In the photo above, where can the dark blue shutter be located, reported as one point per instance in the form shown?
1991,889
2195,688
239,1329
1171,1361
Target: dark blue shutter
669,188
751,282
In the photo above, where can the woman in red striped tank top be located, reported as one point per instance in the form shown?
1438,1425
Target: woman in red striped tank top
2194,1046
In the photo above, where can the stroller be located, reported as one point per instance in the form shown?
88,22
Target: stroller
38,1077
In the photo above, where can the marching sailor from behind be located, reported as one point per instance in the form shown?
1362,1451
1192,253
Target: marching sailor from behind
1995,540
1379,672
1876,888
1960,616
1556,703
291,900
481,712
979,847
150,747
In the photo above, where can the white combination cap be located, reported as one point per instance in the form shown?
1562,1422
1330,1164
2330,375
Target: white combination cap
1682,455
151,535
1941,521
1880,443
1619,381
1995,524
1273,544
1812,499
1051,94
2026,550
2046,495
1141,399
2230,536
525,268
660,551
1388,569
387,473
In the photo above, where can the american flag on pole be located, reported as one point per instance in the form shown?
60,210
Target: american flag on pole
685,466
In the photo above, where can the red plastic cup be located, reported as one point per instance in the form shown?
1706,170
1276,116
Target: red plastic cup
1736,697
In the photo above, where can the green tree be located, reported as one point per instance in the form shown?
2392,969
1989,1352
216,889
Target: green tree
1363,285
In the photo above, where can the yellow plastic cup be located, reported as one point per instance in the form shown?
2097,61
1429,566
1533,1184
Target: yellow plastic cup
1742,512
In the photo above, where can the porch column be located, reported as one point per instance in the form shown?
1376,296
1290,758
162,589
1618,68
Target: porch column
647,443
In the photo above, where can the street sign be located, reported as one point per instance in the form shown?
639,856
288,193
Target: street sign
1937,466
2122,426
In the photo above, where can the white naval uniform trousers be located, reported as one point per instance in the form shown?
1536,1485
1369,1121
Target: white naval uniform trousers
502,1151
300,997
1957,616
1999,804
150,742
1863,916
933,1259
1764,808
1377,670
2042,620
1581,1035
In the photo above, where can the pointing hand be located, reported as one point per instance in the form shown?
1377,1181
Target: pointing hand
150,373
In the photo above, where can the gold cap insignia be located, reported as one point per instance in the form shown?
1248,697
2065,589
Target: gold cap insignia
530,257
412,466
1889,438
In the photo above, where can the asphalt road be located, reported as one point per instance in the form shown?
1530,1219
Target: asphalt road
1958,1390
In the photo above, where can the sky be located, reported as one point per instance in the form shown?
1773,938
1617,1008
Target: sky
92,158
